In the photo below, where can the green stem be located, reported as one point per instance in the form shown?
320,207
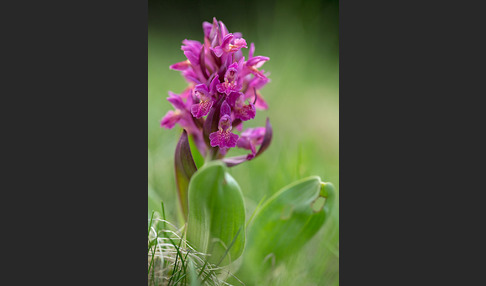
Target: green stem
211,155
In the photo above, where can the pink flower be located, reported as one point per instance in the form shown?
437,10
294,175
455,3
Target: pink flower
224,138
230,44
222,93
251,138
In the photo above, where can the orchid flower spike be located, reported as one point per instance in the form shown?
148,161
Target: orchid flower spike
223,93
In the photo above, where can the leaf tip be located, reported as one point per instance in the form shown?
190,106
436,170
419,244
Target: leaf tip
327,189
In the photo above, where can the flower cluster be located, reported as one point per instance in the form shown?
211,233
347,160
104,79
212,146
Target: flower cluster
222,94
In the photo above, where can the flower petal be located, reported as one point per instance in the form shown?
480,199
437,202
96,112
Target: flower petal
233,98
181,66
257,61
237,45
218,51
176,101
201,109
245,112
201,91
207,28
267,139
170,119
225,109
251,51
213,84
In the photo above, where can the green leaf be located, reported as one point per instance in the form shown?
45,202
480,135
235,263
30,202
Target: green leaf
216,223
198,158
286,222
193,278
184,169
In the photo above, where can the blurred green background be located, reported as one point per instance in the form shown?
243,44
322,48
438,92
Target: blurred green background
301,39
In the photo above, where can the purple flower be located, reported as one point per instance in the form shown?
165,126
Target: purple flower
245,112
241,110
222,93
170,119
173,116
253,63
230,83
191,51
230,44
181,113
224,138
205,96
206,101
251,138
248,140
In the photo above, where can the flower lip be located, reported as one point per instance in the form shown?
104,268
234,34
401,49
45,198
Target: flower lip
223,139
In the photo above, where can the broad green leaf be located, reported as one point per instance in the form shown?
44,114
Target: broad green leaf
286,222
184,169
216,220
